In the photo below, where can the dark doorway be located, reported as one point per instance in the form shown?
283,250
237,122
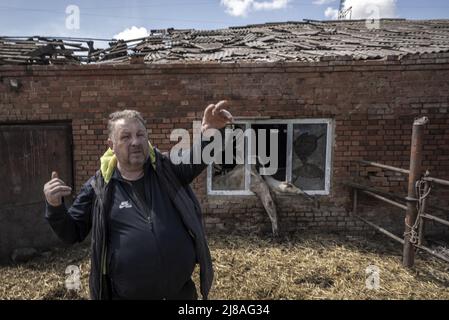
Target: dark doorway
28,155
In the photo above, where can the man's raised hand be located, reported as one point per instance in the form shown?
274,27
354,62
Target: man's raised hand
55,189
216,116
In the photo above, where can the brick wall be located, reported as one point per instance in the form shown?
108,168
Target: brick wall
373,104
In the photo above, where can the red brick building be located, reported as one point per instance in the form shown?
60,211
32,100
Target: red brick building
360,88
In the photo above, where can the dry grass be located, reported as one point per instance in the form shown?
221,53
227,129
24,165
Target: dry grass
302,266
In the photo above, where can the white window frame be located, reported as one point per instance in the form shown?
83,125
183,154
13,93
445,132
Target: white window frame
245,192
289,123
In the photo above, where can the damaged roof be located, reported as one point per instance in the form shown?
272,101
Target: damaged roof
271,42
40,50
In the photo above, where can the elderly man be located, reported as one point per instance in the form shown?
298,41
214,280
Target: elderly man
147,230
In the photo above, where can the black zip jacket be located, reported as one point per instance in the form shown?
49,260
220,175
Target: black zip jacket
91,209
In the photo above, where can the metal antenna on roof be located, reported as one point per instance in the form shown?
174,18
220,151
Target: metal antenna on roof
342,5
342,12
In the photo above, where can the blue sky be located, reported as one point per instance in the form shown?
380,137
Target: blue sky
104,19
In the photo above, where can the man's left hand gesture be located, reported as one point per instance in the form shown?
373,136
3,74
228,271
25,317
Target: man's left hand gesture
216,116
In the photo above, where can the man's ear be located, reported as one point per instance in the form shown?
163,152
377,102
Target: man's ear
110,144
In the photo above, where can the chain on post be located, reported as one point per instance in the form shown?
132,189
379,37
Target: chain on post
420,187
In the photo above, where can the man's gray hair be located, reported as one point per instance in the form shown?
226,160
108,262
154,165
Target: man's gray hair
124,114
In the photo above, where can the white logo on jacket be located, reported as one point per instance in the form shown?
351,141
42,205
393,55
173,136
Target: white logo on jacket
125,204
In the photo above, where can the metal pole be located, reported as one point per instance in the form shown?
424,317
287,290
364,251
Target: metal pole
408,257
380,229
383,166
431,217
394,203
436,180
433,253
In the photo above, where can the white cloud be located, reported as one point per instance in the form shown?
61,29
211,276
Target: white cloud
331,13
363,9
273,5
132,33
238,8
374,9
241,8
321,2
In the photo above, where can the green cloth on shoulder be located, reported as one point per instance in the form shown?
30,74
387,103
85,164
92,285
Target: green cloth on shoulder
108,162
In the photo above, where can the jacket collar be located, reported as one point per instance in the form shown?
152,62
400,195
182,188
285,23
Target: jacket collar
116,174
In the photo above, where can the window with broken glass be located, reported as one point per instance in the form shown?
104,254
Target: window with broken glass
303,150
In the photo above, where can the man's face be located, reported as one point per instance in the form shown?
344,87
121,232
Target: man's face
129,142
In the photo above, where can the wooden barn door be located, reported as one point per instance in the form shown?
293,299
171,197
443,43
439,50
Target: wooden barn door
28,154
